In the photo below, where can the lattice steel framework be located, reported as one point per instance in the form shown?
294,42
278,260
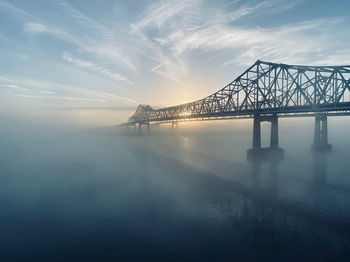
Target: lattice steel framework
265,88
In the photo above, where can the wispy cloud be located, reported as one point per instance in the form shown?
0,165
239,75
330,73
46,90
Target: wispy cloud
161,41
104,42
10,86
185,26
181,26
40,28
16,10
67,98
88,23
161,12
295,43
87,35
246,10
55,90
90,65
167,17
217,32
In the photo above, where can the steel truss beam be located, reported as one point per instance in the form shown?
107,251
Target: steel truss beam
265,88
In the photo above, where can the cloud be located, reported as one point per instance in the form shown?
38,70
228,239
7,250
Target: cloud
7,85
82,63
217,33
246,10
56,90
87,35
87,22
103,41
182,26
114,97
295,43
16,10
87,64
4,79
185,26
40,28
165,16
36,28
10,86
67,98
166,39
160,12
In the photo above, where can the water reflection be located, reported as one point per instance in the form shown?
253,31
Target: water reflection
270,223
167,197
319,177
267,219
272,184
274,178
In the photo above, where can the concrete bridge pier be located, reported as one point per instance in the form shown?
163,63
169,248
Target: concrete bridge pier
139,129
256,133
274,132
268,153
321,134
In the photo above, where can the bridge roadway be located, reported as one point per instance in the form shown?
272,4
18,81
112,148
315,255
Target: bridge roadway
265,92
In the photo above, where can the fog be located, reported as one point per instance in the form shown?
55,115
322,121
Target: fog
75,187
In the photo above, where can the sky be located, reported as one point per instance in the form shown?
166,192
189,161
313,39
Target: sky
121,53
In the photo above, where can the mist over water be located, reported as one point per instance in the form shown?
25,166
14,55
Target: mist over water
72,189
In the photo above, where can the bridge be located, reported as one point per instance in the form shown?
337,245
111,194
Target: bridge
265,92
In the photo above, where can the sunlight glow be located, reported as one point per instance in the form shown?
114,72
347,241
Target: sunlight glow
185,113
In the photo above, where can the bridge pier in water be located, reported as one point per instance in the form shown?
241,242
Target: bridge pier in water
259,153
138,127
321,134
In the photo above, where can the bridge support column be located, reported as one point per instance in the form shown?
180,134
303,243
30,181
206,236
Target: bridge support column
267,153
321,134
139,130
274,132
256,133
174,124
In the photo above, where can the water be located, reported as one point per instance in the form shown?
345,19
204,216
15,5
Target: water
188,194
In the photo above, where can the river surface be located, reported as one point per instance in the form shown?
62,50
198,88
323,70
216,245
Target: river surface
185,194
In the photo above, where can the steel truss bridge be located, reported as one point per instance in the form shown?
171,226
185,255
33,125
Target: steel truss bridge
266,91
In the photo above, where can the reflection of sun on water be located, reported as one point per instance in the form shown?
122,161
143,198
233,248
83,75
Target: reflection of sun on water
185,149
185,143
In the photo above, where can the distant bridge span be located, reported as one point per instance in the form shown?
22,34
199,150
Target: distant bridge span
266,91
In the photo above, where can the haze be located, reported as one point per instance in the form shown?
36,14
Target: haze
76,186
